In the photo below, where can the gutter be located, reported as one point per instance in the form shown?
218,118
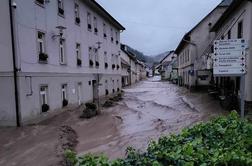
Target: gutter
14,65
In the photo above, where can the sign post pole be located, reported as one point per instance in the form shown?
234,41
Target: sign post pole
242,95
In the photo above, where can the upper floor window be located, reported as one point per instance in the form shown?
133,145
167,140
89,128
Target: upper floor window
105,60
41,47
77,13
113,61
90,54
95,26
104,31
40,2
229,34
117,38
96,57
89,21
112,35
240,30
62,53
61,7
78,54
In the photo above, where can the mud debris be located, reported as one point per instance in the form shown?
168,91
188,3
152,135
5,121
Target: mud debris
68,140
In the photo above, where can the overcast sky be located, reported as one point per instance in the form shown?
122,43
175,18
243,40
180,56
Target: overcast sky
156,26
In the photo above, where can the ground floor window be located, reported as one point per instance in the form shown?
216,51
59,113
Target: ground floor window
44,98
64,95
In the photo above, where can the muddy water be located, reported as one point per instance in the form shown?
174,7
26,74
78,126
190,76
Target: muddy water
149,109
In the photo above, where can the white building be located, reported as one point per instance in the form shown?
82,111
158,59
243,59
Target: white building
193,71
125,64
62,50
235,23
166,67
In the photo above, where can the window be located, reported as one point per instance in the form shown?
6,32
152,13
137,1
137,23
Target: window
95,26
44,98
229,34
105,60
78,54
106,87
112,35
64,92
89,21
40,2
113,61
240,30
96,57
117,39
62,51
44,94
104,31
90,54
41,47
77,13
60,7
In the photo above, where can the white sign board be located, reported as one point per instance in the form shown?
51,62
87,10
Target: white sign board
229,57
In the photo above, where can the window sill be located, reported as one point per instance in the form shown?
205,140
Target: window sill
43,62
63,64
78,24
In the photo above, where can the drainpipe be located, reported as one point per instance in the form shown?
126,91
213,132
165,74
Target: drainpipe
14,64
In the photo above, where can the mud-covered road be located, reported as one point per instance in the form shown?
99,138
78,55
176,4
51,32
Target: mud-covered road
148,110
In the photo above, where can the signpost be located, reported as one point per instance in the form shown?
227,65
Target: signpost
230,60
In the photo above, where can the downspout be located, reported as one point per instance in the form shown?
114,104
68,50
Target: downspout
14,65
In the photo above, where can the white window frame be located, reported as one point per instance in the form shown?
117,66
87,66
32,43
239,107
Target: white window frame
96,56
95,25
104,30
61,4
90,54
105,57
64,94
78,51
62,51
89,21
76,10
43,94
112,35
41,41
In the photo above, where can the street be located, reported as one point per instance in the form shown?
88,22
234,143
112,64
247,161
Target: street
148,110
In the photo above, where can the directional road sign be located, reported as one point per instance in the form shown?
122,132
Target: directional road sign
229,57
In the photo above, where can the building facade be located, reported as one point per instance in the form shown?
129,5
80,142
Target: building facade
65,52
236,23
191,66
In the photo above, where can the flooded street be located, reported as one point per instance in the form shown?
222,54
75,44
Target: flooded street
148,110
